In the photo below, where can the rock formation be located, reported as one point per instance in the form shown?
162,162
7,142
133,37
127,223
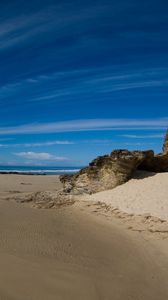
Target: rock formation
107,172
165,145
159,162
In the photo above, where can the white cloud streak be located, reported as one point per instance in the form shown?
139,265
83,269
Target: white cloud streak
137,85
40,156
107,83
135,136
87,125
43,144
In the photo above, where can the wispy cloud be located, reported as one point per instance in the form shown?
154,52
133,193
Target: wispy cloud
28,145
18,30
40,156
48,143
87,125
98,141
139,144
137,85
136,136
6,139
90,85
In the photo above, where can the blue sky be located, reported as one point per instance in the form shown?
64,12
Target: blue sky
81,78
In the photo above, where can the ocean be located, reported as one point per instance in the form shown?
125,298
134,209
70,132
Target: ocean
39,170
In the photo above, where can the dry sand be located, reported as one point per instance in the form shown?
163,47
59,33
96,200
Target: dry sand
15,184
146,193
72,253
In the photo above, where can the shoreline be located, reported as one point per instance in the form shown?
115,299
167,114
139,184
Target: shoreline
21,173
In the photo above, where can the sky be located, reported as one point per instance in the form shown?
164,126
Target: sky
81,78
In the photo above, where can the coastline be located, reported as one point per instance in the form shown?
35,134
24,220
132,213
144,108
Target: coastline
41,170
21,173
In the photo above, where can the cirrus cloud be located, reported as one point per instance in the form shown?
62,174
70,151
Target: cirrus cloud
87,125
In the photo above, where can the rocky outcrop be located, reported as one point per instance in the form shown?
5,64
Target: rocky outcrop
108,171
105,172
165,145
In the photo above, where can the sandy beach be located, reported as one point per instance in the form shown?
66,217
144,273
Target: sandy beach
81,251
83,150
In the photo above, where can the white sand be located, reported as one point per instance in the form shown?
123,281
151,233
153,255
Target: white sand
147,193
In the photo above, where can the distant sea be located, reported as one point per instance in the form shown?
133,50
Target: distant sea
39,170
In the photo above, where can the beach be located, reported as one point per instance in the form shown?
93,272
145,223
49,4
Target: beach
74,252
83,150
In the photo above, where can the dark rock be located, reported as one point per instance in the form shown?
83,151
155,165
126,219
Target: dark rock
157,164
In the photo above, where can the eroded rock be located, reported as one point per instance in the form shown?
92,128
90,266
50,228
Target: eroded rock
108,171
165,145
105,172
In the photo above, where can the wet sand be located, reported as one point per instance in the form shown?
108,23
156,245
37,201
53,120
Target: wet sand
72,252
